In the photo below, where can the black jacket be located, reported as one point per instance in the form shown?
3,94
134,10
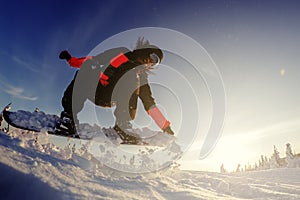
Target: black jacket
129,78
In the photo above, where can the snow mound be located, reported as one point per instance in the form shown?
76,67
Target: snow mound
104,143
33,168
161,149
34,120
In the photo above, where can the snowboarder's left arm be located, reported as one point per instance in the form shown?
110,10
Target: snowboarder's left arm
150,106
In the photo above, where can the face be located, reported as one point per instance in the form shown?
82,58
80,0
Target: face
148,63
151,61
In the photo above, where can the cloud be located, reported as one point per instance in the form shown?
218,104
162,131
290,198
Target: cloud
26,64
257,135
280,128
16,92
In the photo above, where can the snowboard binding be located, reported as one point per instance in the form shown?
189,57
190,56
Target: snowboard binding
126,136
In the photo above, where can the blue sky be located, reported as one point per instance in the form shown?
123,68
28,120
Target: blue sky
255,45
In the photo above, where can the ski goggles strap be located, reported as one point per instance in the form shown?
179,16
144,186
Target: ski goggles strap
154,58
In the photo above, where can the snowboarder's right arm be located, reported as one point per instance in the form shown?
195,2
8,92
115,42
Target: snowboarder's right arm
73,61
115,61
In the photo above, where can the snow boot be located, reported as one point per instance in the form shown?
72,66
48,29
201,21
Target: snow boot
67,124
125,132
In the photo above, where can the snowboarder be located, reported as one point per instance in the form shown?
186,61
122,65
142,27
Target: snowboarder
121,82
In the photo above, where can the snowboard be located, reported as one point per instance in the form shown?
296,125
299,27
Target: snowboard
39,121
36,121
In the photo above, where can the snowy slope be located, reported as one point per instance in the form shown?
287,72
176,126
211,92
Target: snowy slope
37,169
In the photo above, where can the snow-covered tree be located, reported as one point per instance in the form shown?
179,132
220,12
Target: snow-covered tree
289,155
288,151
275,159
259,164
255,166
262,162
238,169
249,167
222,169
267,162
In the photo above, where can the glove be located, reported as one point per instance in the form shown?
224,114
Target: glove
168,130
65,55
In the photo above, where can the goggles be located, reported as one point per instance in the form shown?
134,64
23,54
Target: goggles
154,59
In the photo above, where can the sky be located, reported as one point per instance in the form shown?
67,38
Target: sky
254,44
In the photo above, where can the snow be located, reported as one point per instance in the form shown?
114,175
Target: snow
34,120
104,144
32,167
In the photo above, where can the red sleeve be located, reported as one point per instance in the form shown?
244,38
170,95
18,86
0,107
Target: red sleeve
159,118
77,62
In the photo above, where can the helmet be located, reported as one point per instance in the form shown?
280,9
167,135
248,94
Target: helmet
145,51
152,52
